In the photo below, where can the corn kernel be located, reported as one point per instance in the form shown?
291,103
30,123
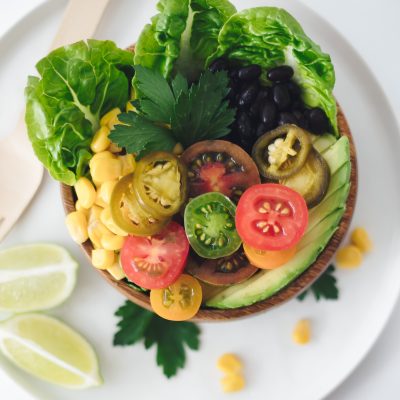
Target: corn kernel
112,242
116,272
85,192
103,259
77,226
361,239
106,219
232,383
130,107
106,169
104,193
178,149
229,363
94,213
110,116
78,207
100,156
114,148
100,141
96,230
349,257
302,332
128,164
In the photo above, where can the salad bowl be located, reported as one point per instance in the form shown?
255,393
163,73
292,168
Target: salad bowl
287,293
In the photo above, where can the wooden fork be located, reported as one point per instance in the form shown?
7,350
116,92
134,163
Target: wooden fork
20,171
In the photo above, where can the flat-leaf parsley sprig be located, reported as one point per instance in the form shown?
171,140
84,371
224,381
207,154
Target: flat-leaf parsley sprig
174,112
171,338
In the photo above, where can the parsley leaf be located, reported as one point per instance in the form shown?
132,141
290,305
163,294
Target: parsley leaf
171,112
170,337
324,287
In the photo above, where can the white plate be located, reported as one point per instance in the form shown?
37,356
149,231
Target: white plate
343,331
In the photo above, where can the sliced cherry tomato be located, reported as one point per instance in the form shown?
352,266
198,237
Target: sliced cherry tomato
210,225
155,262
179,301
160,183
267,259
127,213
219,166
271,217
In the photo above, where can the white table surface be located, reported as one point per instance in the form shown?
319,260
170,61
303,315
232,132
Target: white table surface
373,28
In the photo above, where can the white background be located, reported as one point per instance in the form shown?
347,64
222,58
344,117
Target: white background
373,28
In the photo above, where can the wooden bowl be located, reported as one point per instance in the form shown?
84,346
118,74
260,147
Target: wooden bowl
287,293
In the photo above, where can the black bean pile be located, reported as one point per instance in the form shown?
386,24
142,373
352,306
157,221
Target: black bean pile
261,108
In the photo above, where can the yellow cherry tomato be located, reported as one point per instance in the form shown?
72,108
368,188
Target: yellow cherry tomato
179,301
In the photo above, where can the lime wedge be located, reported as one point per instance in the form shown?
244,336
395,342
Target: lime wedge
50,350
35,277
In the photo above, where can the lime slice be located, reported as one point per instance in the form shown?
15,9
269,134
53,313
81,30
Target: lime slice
50,350
35,277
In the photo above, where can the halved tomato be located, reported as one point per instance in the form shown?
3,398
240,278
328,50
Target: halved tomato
271,217
269,259
155,262
219,166
179,301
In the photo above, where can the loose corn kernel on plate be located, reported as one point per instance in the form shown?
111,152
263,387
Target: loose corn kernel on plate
274,366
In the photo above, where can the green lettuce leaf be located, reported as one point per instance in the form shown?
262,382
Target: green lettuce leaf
77,85
270,36
182,36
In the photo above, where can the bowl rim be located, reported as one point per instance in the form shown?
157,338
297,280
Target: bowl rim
290,291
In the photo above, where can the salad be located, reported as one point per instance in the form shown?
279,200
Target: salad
207,163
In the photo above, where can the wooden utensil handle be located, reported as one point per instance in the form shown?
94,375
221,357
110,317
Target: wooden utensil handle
79,22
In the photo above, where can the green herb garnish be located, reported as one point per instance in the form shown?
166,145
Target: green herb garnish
172,112
138,324
324,287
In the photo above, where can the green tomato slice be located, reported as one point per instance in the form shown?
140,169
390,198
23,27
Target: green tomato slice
210,225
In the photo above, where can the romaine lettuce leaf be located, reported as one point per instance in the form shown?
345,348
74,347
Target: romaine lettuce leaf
77,85
270,36
182,36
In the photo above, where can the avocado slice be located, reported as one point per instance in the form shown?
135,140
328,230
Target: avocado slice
322,143
323,222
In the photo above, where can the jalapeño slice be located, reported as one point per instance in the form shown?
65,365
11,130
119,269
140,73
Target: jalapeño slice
210,225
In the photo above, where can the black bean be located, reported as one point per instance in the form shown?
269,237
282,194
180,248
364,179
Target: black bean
261,129
248,95
281,96
254,111
269,113
234,74
297,105
249,73
262,94
280,74
287,118
318,121
294,89
218,64
301,119
246,144
244,126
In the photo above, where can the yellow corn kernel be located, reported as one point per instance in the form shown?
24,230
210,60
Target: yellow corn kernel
302,332
360,238
77,226
100,141
230,364
85,192
103,259
116,272
349,257
114,148
106,169
130,107
109,117
232,383
106,219
128,164
100,156
94,213
78,207
112,242
96,230
178,149
104,193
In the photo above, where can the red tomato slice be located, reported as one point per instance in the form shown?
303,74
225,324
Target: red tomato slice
155,262
271,217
